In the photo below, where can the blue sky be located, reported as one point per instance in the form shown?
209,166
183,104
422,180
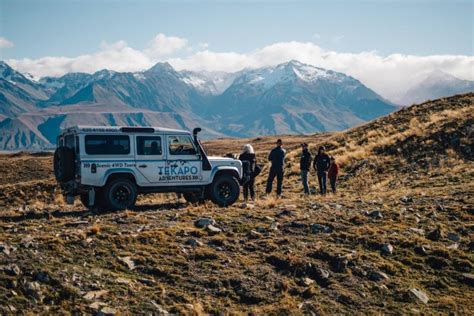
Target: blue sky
69,28
389,45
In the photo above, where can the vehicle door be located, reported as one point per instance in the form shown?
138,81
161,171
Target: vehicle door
150,158
183,164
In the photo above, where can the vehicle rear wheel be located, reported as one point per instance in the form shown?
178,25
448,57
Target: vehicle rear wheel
225,190
193,197
120,194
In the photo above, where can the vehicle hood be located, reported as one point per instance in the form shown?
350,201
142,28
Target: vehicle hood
224,161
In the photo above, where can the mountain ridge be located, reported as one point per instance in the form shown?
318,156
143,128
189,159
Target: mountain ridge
289,98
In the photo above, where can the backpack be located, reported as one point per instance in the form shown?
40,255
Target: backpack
256,172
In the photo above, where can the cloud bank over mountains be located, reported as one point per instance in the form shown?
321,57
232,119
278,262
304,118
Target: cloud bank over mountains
389,75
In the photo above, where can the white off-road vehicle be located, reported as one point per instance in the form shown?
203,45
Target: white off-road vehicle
109,166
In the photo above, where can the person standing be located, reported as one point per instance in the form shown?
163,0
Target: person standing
305,164
277,159
333,173
249,159
321,165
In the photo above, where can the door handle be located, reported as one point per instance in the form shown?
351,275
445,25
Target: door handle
142,166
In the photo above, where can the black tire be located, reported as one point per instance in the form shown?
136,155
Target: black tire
63,163
225,190
119,194
193,197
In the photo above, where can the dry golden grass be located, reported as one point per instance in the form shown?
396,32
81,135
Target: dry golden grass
267,259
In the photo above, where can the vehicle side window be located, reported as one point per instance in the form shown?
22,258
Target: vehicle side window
181,145
107,144
149,145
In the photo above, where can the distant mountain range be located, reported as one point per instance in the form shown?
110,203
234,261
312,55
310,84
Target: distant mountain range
436,85
290,98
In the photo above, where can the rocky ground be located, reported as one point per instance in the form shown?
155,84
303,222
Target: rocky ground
397,238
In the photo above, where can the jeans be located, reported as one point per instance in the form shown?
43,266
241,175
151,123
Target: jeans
332,180
304,179
249,187
322,182
278,173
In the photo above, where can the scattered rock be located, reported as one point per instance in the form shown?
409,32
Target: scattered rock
378,276
211,229
296,224
255,234
194,242
269,218
97,305
453,246
387,249
468,278
406,199
34,290
274,226
107,311
42,277
159,309
128,262
204,222
308,281
418,295
12,269
6,249
435,235
421,250
417,230
285,213
453,237
339,264
93,295
76,223
318,228
375,214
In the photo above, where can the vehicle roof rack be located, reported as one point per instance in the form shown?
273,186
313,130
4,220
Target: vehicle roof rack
137,129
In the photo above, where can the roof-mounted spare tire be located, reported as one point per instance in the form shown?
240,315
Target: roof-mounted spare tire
64,164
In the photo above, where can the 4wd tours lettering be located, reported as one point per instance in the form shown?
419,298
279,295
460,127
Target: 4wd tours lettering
178,173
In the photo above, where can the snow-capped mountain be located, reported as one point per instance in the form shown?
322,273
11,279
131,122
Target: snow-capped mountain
437,84
294,98
208,82
288,98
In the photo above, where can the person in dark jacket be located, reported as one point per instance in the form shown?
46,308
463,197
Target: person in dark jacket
305,165
249,159
277,158
333,173
321,165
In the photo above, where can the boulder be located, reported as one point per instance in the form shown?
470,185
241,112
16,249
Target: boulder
387,249
419,295
204,222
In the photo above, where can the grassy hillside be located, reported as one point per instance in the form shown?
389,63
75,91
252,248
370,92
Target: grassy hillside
397,238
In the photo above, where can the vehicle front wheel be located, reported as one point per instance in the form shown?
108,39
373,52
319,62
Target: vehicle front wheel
225,190
120,194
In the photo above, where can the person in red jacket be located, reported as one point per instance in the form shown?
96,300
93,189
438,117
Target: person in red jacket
332,173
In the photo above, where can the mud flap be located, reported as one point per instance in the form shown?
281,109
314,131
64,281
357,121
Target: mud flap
91,197
69,199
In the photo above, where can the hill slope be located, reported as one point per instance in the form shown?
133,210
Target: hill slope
397,238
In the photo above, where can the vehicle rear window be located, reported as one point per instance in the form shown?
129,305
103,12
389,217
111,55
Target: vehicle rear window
149,145
107,144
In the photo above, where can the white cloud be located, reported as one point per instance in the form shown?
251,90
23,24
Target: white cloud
163,45
389,75
4,43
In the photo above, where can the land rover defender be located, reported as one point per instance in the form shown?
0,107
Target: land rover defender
108,166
